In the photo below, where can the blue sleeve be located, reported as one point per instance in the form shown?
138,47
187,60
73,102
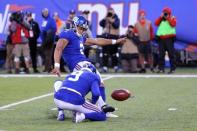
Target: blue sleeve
84,39
116,23
95,92
102,23
51,25
64,35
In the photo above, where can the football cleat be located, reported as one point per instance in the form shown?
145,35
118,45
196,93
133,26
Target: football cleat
111,115
61,117
107,108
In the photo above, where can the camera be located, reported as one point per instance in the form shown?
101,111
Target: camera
109,14
17,16
165,15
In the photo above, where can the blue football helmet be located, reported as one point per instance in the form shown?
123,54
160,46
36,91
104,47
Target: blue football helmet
80,21
89,67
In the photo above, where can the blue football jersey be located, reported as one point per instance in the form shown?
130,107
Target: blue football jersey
81,81
73,53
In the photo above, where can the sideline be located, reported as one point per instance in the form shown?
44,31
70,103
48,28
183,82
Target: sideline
109,75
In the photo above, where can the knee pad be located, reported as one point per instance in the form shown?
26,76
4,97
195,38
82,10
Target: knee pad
16,59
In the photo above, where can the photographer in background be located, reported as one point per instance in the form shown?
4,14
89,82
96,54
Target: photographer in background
166,34
129,52
19,34
110,25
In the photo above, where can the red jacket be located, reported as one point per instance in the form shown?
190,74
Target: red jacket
16,36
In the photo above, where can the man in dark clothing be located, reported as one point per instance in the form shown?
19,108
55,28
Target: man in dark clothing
34,33
166,34
110,24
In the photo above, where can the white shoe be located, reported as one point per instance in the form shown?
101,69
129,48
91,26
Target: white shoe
61,116
111,115
78,117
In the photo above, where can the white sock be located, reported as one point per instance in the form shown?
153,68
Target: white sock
83,116
101,102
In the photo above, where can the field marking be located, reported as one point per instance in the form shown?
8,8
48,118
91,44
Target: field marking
34,98
109,75
25,101
172,109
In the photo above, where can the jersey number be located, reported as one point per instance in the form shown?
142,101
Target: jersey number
81,48
75,76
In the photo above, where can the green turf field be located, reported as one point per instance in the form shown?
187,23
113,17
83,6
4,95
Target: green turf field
148,111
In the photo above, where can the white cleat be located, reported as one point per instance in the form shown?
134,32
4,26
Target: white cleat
111,115
61,116
78,117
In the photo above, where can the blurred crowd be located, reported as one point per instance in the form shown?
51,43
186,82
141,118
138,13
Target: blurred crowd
136,55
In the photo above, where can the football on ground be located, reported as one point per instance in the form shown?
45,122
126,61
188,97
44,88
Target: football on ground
120,94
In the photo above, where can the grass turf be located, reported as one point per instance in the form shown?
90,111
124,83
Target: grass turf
148,111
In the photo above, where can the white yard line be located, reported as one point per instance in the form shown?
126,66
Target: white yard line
34,98
24,101
111,75
152,75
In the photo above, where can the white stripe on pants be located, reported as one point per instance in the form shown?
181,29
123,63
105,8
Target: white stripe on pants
87,107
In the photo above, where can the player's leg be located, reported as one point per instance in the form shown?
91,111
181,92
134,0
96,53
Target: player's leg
102,99
82,112
57,84
88,111
94,116
17,55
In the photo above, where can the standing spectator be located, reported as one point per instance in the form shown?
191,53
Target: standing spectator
110,25
69,22
34,33
87,49
129,52
20,34
48,37
9,49
59,24
166,34
85,14
144,29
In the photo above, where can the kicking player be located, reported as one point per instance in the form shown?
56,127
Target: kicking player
71,96
70,46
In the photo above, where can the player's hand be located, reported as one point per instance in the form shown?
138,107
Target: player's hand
56,71
121,40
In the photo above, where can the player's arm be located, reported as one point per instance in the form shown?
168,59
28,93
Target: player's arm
61,44
95,92
103,41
